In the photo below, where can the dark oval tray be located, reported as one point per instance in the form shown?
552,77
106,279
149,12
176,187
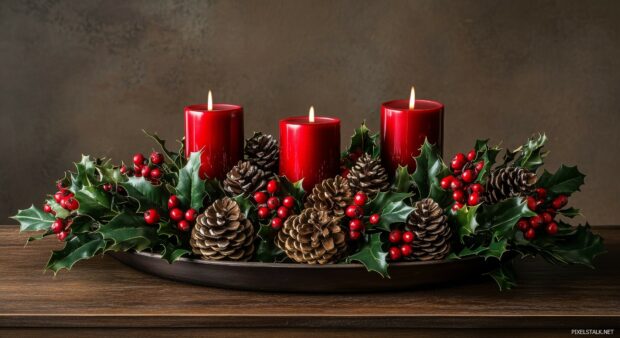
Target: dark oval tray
287,277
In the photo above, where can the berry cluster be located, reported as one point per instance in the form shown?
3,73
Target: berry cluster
355,212
268,204
149,169
66,199
401,244
546,210
465,171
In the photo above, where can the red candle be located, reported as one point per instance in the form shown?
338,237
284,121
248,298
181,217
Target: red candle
404,126
217,130
309,148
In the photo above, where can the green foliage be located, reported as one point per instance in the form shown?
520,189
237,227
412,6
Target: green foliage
85,175
60,211
429,171
33,219
565,180
79,247
147,195
372,255
570,212
177,160
403,182
191,189
391,207
362,141
531,155
504,276
465,219
294,189
172,253
128,231
94,202
266,250
486,154
502,217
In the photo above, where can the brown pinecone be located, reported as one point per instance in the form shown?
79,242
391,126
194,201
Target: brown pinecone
223,233
431,230
245,179
333,195
312,237
509,182
262,151
368,175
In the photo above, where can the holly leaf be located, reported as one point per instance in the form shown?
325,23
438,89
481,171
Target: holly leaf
402,180
82,224
266,250
147,195
245,205
570,212
33,219
495,249
214,189
429,170
40,236
128,231
466,221
363,141
504,276
191,189
372,256
172,253
501,218
565,180
85,176
486,154
391,208
169,155
93,202
59,211
294,189
79,247
531,154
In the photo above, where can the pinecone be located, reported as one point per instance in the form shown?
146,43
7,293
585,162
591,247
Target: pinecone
509,182
223,233
333,195
262,151
368,175
312,237
431,230
245,179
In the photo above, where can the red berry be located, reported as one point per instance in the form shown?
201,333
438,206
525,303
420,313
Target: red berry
536,221
523,225
151,216
138,160
62,235
124,169
477,187
559,202
176,214
395,253
374,219
344,172
272,186
360,199
456,184
354,211
457,206
552,228
479,166
276,223
288,201
47,208
273,203
458,161
260,197
406,250
530,234
356,225
183,225
408,236
471,155
446,182
263,212
468,176
190,215
173,202
156,173
531,203
547,218
157,158
57,226
473,199
551,212
137,170
282,212
541,193
395,236
60,195
71,203
146,171
355,235
459,196
107,187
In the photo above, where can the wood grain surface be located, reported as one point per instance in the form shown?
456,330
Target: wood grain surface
104,293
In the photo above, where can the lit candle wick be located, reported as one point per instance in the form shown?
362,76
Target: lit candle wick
412,99
210,102
311,114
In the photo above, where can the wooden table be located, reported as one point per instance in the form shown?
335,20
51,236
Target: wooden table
103,293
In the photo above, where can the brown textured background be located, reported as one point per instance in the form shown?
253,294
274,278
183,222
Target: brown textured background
85,76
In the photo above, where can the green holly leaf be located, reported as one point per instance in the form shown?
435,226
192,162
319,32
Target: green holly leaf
40,236
466,221
167,230
147,195
93,202
531,154
502,217
266,250
33,219
403,181
363,141
566,180
294,189
79,247
504,276
110,174
172,157
486,154
191,189
495,249
430,169
246,206
86,174
128,231
82,224
570,212
372,256
172,253
60,211
391,208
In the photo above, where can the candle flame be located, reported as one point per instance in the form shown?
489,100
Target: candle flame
412,98
311,114
210,102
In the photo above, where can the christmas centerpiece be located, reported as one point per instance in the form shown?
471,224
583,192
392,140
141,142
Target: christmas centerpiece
251,201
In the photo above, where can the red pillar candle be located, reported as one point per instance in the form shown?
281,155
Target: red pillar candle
217,130
309,148
404,126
